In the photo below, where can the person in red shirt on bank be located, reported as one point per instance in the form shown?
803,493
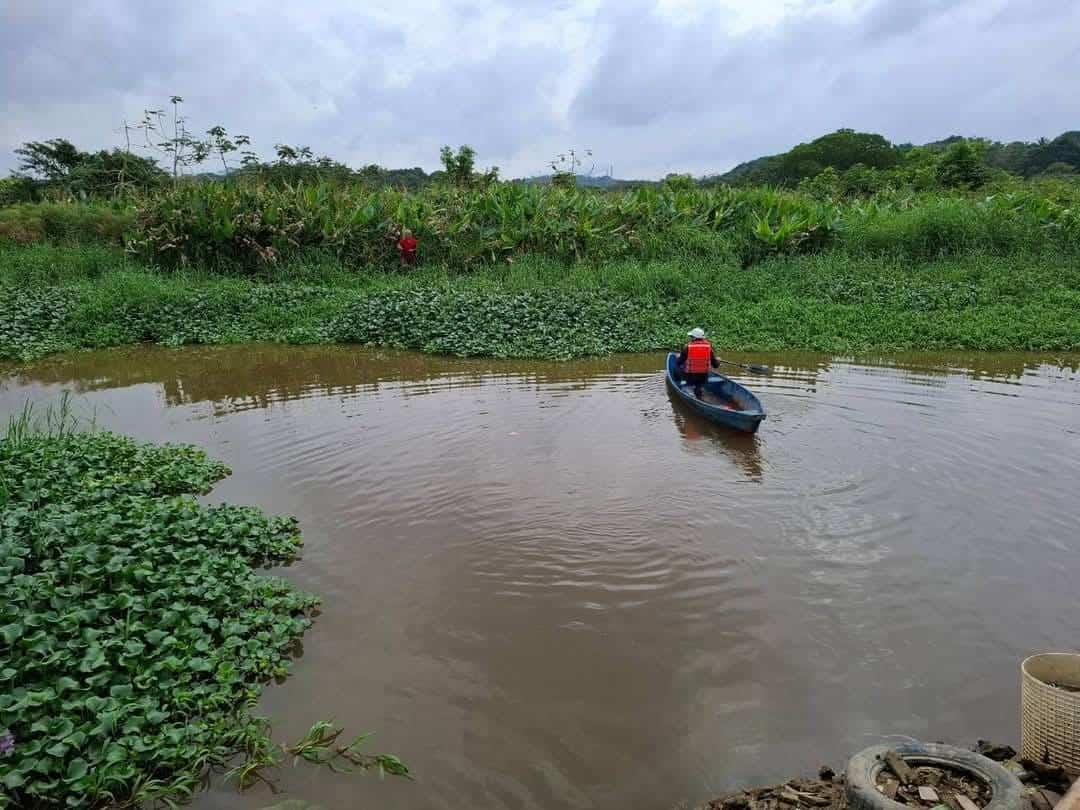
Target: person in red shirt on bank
407,247
696,358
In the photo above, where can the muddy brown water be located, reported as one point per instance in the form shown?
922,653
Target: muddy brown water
548,585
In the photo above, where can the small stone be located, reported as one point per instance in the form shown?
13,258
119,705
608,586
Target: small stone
928,794
826,774
788,796
965,803
897,765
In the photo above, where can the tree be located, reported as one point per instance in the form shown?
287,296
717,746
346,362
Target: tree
50,160
841,150
1065,148
961,166
114,172
826,185
679,182
172,138
58,163
223,145
1060,169
458,167
564,167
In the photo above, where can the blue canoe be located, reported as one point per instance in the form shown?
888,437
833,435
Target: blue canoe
726,403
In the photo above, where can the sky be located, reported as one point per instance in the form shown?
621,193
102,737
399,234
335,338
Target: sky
649,86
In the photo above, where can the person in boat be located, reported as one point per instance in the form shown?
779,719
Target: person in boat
696,358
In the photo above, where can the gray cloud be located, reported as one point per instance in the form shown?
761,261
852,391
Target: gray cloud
650,88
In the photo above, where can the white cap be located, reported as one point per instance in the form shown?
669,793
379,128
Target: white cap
696,333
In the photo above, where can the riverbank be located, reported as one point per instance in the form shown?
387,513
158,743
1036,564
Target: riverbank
1043,787
59,298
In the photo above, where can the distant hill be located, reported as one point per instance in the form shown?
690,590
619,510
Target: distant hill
603,181
748,171
1058,156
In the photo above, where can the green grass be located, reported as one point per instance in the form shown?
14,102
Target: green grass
60,298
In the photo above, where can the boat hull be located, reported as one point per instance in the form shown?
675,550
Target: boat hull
741,409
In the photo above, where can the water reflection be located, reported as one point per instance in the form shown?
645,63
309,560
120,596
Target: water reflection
702,436
243,377
551,585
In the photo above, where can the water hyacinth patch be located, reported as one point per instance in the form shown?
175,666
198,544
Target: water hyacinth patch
135,634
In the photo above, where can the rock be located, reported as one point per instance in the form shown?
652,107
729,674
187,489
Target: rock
928,794
890,788
826,774
899,767
965,803
999,752
787,795
739,801
1051,773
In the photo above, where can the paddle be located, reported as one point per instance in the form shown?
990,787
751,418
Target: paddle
756,369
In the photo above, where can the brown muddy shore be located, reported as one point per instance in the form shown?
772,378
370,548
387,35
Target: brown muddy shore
1044,788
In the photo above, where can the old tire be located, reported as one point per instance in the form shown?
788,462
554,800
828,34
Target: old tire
1007,793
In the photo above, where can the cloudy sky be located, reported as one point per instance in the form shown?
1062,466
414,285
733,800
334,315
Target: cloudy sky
651,86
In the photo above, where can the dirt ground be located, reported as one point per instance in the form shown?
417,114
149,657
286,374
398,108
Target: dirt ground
1045,787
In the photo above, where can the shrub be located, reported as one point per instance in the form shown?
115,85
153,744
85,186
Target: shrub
64,222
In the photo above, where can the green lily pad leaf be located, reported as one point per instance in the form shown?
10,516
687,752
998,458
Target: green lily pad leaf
77,769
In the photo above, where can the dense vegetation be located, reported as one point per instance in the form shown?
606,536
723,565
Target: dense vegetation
862,245
135,634
884,164
252,228
70,297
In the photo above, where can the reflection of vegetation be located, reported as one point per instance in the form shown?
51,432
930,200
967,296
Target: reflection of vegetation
135,634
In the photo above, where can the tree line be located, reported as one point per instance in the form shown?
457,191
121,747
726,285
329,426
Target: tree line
952,162
162,148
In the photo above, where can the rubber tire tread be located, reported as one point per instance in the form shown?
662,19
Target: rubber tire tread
1007,792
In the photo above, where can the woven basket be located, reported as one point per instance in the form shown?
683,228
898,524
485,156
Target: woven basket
1049,716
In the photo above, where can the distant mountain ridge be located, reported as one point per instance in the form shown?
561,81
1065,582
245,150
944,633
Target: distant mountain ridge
603,181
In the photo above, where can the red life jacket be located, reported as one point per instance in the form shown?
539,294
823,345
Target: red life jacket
698,357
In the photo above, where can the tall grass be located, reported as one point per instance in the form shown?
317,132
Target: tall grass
57,420
257,229
90,223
